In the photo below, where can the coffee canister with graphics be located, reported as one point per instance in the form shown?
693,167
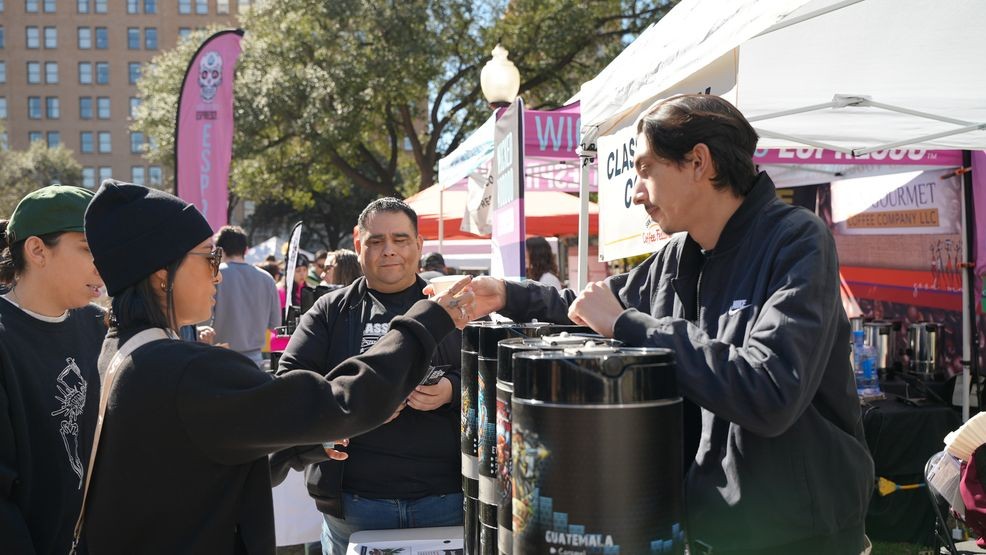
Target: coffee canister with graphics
504,392
469,439
596,449
489,338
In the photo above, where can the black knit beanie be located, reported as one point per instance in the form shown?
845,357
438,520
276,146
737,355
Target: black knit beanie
134,231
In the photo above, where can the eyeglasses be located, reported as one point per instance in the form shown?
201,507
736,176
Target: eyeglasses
215,259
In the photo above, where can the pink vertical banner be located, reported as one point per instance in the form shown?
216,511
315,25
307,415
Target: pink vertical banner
204,126
508,237
978,248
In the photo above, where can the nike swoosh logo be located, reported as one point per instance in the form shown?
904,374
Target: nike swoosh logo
733,311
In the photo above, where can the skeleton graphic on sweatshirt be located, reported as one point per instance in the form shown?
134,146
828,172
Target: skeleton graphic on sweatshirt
72,395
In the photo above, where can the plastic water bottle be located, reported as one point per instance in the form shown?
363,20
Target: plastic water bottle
864,365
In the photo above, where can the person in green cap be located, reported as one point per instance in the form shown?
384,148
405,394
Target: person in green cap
50,337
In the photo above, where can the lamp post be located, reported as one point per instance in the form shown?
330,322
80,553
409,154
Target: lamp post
500,82
499,79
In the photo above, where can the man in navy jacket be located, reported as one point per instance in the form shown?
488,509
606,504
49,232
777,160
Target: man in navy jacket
746,293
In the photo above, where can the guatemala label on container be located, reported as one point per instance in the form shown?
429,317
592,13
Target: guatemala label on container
596,479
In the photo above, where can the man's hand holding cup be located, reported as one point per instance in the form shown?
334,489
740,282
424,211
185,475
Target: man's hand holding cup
454,295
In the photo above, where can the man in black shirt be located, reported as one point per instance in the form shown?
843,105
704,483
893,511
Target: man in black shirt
404,474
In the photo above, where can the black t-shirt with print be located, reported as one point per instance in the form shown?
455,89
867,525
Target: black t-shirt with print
49,402
417,453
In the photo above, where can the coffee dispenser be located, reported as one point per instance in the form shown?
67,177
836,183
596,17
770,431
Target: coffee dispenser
597,452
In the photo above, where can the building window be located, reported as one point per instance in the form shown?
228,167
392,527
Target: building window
105,172
102,73
85,38
154,176
82,6
133,72
242,5
34,107
51,73
137,175
134,104
150,38
34,136
150,6
133,38
184,6
136,142
3,72
133,6
53,108
222,6
85,107
3,141
85,73
33,37
51,37
1,6
31,6
201,7
100,6
49,6
183,32
89,177
34,73
103,107
2,40
85,142
54,139
105,145
102,38
3,107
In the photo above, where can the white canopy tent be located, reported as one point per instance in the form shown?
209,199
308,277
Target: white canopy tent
854,76
846,75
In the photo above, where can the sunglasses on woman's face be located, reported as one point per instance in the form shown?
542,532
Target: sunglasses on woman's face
215,259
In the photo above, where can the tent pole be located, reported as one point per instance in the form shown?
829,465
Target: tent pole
583,273
441,219
970,335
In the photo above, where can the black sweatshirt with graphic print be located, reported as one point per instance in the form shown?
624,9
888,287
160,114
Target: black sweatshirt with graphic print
412,456
49,401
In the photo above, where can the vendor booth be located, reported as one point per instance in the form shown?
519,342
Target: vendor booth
868,112
463,205
820,105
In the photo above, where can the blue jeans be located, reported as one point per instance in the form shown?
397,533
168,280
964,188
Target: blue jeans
387,514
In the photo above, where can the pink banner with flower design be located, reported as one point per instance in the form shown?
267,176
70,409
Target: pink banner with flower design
204,126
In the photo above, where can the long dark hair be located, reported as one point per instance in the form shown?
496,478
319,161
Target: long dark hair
542,259
12,261
138,306
347,267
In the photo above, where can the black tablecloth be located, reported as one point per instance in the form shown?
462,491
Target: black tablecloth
901,438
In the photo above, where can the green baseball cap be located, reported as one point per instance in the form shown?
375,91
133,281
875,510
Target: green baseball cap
48,210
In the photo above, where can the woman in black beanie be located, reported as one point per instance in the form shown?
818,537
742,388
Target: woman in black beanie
181,460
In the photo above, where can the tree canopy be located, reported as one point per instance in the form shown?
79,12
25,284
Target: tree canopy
22,171
369,94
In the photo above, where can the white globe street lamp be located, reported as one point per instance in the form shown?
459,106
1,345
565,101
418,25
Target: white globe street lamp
500,79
